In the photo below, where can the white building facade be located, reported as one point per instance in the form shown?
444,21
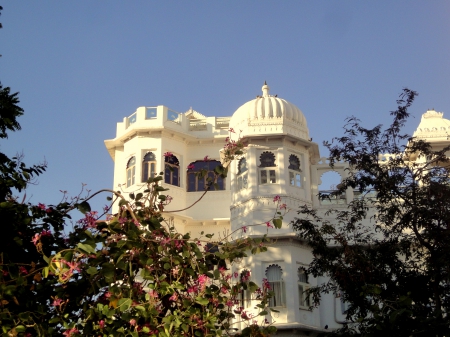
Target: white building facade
280,159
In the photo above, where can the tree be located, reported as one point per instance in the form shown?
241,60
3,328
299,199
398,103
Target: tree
387,257
130,274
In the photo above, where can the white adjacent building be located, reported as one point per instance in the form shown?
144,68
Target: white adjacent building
280,159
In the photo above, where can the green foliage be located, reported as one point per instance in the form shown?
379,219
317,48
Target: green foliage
388,257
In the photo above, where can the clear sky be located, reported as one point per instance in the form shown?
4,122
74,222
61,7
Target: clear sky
81,66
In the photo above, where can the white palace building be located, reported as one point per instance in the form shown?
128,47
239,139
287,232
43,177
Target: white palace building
280,159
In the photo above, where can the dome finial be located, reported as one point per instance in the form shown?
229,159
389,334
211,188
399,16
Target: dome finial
265,89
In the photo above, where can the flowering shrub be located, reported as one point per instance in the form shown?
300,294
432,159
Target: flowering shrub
137,276
131,274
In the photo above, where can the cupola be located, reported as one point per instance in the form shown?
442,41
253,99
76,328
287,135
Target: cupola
268,114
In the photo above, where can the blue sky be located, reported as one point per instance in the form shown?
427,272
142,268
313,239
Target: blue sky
81,66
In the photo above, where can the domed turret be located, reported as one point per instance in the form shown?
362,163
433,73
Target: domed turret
433,127
268,114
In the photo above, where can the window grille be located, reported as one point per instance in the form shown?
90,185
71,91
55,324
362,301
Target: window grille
274,275
199,182
148,166
131,171
294,171
303,286
171,170
242,175
267,174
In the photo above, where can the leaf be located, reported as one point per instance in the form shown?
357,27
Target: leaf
92,271
124,304
86,248
277,223
20,328
201,300
84,207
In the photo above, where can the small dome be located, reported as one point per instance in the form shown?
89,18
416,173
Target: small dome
433,125
269,110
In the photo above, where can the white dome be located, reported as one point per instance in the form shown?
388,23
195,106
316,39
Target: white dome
268,110
433,125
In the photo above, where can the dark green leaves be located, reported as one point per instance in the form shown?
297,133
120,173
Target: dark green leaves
84,207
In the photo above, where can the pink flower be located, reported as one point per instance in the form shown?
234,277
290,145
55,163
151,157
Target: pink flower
266,284
70,332
89,221
190,167
244,229
231,130
227,139
206,158
5,273
57,302
229,303
277,198
132,322
36,239
46,233
168,198
192,289
245,275
202,279
42,206
223,290
23,270
168,154
122,220
268,224
152,293
72,265
101,324
235,274
283,206
174,297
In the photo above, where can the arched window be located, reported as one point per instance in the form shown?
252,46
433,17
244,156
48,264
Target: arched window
303,285
242,174
329,182
199,182
171,170
274,275
344,305
131,171
267,172
148,166
294,171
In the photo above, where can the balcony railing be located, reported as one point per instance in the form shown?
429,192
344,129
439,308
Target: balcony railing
222,122
173,116
197,124
331,198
